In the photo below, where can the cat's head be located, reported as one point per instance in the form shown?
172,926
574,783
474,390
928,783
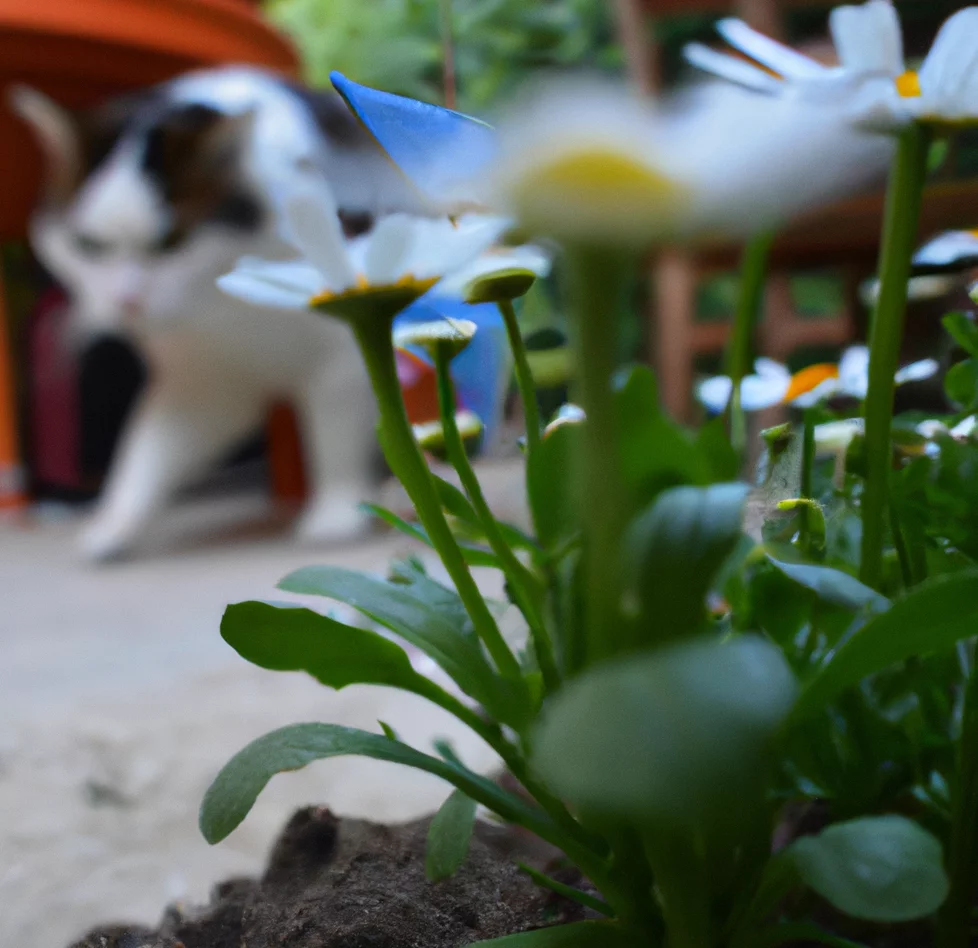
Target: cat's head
146,202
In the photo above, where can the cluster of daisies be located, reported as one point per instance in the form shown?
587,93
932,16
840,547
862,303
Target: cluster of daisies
775,134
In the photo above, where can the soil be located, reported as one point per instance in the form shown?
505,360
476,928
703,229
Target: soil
334,883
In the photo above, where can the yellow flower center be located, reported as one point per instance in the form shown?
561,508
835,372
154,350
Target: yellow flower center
908,85
808,379
598,172
363,288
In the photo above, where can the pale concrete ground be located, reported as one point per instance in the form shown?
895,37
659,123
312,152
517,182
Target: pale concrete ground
119,702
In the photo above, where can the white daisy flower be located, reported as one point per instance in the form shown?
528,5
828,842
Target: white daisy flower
834,437
592,162
430,435
772,384
965,429
872,77
396,263
496,262
439,335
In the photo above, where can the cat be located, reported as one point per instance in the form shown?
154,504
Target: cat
147,200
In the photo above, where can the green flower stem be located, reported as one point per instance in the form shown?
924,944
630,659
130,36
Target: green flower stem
408,465
955,917
903,201
520,578
597,278
524,376
753,271
807,465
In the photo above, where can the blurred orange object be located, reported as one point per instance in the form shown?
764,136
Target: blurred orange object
419,386
80,52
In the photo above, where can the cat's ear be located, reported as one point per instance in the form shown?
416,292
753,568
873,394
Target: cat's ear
57,133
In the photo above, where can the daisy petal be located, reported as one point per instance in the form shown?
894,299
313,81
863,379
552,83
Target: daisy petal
948,79
768,52
450,247
917,371
526,257
388,248
315,227
253,288
854,371
729,68
758,392
714,393
964,429
868,37
955,249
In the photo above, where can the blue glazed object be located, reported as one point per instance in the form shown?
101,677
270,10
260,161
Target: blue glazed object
482,371
436,149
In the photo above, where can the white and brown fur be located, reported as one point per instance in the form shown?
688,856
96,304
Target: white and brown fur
148,200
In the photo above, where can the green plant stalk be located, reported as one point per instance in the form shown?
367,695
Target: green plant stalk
449,80
955,918
807,466
408,465
519,577
903,201
684,890
753,271
524,376
596,278
903,554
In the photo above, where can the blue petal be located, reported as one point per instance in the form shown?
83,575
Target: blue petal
436,148
482,371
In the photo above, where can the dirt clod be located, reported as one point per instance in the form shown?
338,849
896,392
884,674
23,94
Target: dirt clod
334,883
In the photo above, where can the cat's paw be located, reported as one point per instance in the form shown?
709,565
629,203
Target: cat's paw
105,540
334,520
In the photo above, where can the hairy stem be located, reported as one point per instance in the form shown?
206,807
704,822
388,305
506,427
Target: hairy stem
597,278
408,465
753,270
524,376
519,577
903,201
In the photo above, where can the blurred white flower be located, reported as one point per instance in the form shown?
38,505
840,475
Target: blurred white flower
397,262
872,77
495,261
567,414
447,335
834,437
772,384
919,288
951,251
965,429
430,435
592,162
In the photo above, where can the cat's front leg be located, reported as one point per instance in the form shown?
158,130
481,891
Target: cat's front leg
181,426
338,418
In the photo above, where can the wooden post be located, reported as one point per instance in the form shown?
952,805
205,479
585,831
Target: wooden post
672,330
640,46
12,491
763,15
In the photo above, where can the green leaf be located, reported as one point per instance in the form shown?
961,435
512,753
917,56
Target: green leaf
961,383
656,453
881,869
676,735
473,555
458,505
430,617
577,935
234,791
830,585
567,891
295,639
553,486
713,445
962,327
675,549
448,837
389,732
932,617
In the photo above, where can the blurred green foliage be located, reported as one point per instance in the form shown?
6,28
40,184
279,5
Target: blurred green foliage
397,44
